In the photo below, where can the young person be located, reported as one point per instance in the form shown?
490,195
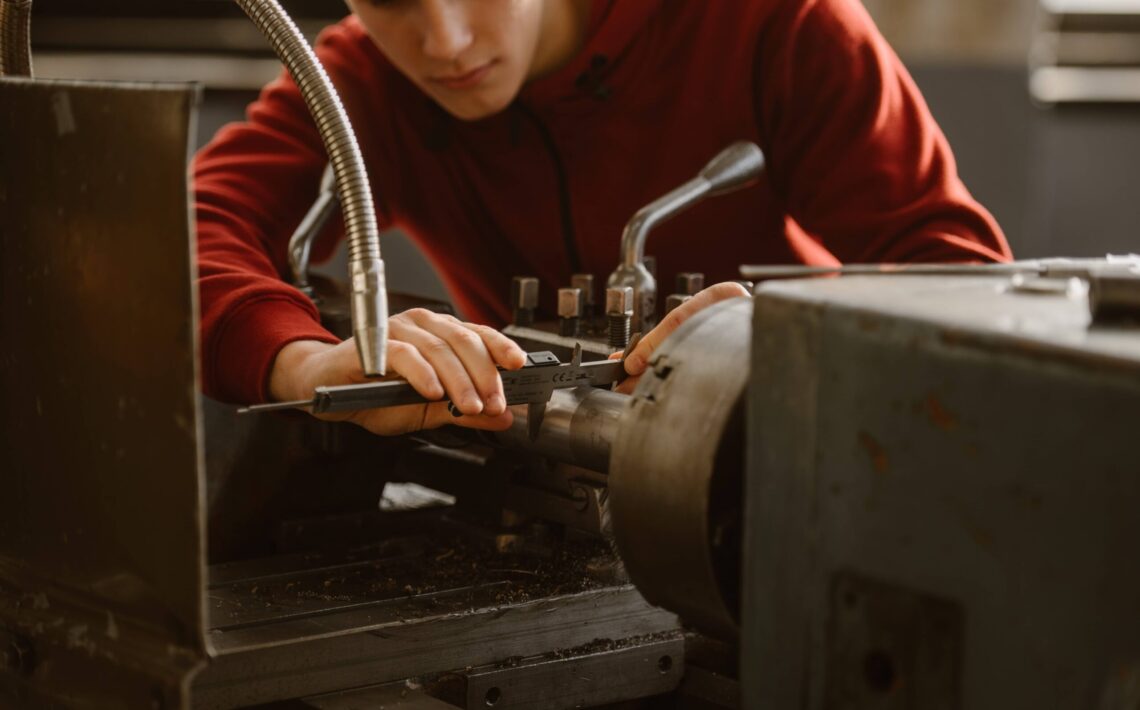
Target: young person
518,136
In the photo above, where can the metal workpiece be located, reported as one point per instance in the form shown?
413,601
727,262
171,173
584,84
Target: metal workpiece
578,427
366,270
674,300
524,300
737,166
569,311
675,500
690,283
619,315
15,38
310,226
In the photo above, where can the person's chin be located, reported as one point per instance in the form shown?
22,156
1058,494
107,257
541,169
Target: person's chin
474,107
472,104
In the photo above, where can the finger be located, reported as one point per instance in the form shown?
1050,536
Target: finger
475,357
505,351
393,421
407,361
439,416
439,353
637,360
627,385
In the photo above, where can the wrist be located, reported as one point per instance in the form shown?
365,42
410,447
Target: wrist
290,376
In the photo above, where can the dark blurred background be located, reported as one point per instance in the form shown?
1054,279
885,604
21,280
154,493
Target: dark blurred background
1039,98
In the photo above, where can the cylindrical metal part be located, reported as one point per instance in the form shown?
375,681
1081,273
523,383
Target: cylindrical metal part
690,283
366,270
617,330
578,427
619,311
15,38
312,224
675,501
585,285
675,300
524,299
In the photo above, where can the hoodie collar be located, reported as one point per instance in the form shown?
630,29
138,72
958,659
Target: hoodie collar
611,29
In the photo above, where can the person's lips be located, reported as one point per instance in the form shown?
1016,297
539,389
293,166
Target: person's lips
465,80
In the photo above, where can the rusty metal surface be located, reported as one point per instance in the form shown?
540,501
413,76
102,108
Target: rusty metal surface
100,514
947,438
676,468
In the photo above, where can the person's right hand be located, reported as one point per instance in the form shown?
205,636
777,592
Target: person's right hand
436,353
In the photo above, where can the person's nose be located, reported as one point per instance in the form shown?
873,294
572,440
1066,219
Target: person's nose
447,32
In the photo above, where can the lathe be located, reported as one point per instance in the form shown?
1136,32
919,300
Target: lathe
886,489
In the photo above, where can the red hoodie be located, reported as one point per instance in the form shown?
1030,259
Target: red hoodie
857,169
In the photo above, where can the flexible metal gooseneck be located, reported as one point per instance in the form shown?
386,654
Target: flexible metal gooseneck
366,268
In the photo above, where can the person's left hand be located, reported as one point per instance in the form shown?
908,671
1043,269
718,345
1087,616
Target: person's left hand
638,360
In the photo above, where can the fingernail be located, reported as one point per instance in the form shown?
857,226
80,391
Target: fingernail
635,364
473,404
496,404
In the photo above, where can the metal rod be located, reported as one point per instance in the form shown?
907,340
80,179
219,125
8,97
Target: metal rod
794,271
312,224
737,166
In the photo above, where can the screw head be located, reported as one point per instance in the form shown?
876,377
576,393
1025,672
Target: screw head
585,284
690,282
524,292
569,303
674,300
619,301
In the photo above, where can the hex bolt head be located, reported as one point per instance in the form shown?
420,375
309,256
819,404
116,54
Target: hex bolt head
585,285
524,299
675,300
690,283
524,292
569,302
619,301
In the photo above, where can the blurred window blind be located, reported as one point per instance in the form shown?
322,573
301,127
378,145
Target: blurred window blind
1086,51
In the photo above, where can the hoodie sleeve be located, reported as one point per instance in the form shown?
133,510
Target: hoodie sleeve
253,183
852,148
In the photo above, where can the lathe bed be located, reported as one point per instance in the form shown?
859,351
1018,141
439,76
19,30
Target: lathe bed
437,608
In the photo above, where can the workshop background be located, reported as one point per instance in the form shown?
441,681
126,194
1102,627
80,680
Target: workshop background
1052,150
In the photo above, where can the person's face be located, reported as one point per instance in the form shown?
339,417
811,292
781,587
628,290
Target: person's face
471,56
